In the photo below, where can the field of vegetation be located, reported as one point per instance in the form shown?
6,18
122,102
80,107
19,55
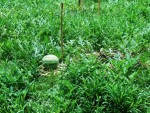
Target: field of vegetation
106,53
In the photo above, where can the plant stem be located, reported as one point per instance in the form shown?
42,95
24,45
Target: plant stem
80,3
98,6
61,30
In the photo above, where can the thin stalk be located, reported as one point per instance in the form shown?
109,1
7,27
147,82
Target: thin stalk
61,30
98,6
80,3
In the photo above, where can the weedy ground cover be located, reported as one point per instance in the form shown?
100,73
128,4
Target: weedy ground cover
116,80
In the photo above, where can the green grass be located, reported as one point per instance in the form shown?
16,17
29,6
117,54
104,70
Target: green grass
116,81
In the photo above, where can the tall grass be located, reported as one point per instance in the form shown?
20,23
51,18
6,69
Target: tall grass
116,81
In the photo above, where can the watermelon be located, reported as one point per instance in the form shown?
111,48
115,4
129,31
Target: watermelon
50,61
